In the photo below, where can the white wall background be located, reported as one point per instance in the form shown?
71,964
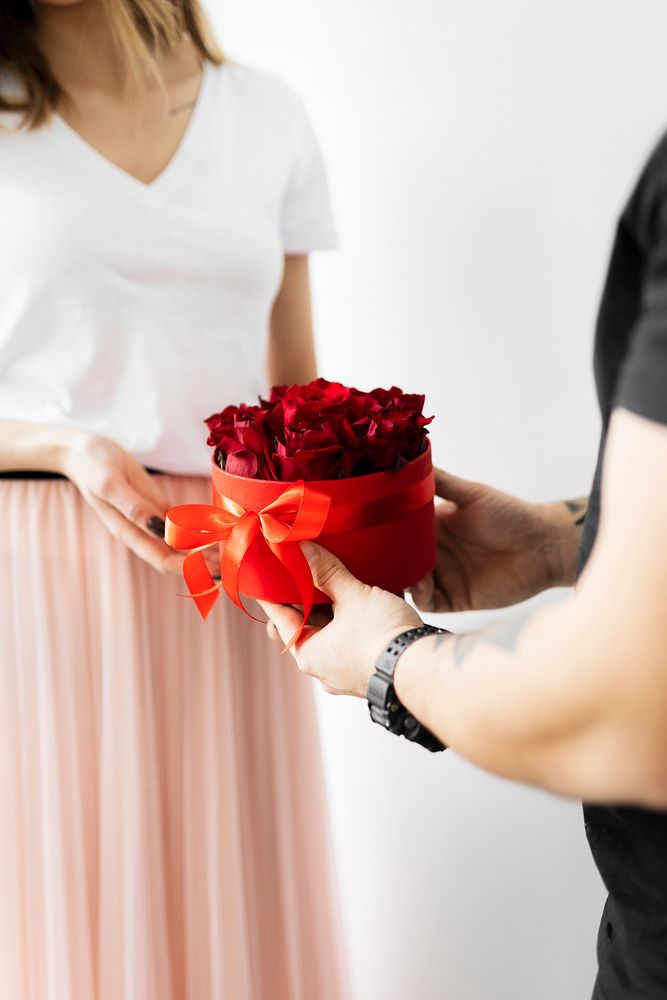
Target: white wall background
479,154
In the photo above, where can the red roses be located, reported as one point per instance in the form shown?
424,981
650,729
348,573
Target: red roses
322,430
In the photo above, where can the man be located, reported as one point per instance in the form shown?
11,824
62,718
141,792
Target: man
573,697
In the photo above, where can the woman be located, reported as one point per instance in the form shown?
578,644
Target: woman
160,786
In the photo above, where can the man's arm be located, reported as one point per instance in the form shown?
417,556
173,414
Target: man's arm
574,697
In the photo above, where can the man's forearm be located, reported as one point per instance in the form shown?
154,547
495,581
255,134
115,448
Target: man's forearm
575,699
543,699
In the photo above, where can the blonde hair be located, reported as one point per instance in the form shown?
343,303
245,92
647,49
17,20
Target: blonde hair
143,30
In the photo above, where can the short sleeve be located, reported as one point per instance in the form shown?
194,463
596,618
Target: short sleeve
307,220
642,382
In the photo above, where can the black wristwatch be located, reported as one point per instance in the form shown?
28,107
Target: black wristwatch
383,704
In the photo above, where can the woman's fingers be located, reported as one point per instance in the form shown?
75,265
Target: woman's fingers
211,557
156,553
146,483
128,499
138,508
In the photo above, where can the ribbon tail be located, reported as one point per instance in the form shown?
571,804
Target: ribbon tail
203,588
241,538
296,564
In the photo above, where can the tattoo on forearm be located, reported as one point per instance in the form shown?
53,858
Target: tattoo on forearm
504,635
579,508
463,645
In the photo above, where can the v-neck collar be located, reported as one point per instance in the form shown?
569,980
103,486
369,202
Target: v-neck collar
77,144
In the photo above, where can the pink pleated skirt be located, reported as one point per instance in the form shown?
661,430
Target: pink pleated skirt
162,814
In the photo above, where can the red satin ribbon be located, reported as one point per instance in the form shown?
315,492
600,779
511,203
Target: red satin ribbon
298,514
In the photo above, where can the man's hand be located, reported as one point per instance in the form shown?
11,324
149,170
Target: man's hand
495,550
342,654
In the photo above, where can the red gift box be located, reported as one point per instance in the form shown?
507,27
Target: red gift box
381,526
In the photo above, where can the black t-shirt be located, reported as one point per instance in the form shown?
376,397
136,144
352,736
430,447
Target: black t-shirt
630,845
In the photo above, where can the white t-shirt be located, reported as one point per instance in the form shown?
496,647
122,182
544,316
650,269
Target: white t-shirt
137,310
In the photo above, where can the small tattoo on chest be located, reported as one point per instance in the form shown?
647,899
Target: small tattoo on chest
188,106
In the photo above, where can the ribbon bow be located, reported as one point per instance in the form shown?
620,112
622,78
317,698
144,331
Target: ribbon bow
298,514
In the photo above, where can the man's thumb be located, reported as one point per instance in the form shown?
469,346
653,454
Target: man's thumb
329,574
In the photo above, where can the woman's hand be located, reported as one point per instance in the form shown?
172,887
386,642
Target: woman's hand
495,550
126,498
342,654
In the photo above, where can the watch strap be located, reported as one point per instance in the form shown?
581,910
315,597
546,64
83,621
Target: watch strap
383,704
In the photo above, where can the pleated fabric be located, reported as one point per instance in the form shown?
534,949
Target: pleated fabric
163,832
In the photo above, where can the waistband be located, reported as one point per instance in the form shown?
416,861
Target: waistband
40,474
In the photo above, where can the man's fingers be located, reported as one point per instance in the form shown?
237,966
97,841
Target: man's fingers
321,615
284,618
423,594
272,632
449,487
329,574
445,509
440,603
